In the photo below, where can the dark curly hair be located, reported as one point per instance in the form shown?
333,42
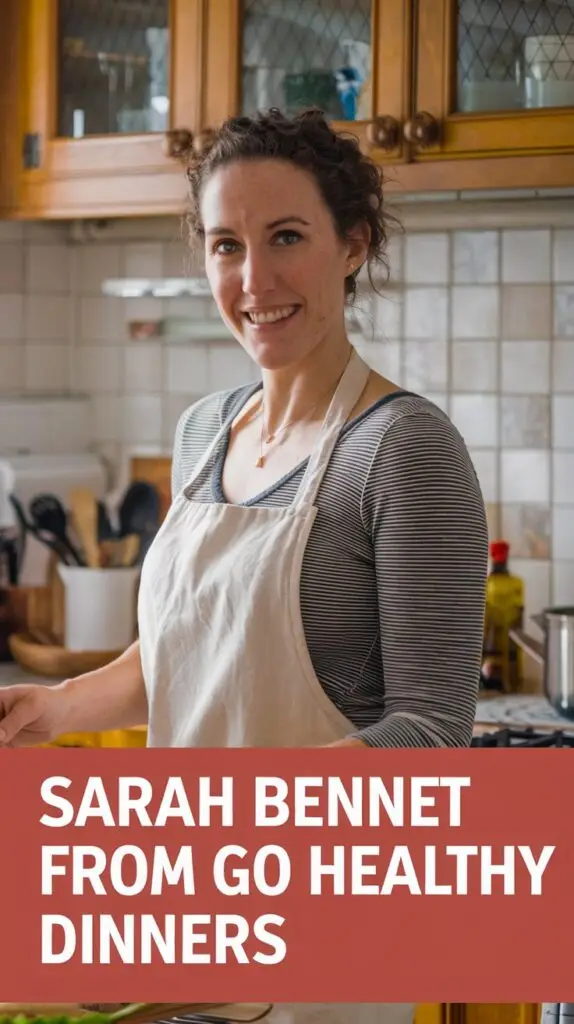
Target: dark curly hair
351,184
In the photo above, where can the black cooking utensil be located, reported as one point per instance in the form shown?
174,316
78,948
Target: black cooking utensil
49,515
105,528
22,532
49,541
139,511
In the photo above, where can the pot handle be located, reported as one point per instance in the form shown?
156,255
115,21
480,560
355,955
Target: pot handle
528,644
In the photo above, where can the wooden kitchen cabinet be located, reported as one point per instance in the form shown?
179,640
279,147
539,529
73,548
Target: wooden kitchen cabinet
104,80
453,100
493,94
477,1013
459,94
263,54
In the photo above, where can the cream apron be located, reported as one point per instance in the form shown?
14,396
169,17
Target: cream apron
223,650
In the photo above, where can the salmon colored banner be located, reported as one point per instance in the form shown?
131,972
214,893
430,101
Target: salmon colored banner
311,875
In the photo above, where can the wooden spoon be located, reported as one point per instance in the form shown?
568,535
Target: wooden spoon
84,510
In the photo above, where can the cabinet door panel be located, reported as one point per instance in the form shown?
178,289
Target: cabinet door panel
351,58
113,67
497,76
104,79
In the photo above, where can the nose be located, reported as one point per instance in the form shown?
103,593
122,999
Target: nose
258,273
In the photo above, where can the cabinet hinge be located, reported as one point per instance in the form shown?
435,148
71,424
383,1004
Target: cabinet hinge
31,151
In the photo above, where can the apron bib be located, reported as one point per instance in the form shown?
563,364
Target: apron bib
222,644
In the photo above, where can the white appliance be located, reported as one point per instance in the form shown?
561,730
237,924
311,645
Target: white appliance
29,475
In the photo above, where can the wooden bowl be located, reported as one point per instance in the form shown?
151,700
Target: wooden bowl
53,661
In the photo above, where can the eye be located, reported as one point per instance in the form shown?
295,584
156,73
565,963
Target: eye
287,237
224,247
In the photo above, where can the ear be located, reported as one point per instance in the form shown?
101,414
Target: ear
358,245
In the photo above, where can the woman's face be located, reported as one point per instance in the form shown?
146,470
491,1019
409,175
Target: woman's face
274,261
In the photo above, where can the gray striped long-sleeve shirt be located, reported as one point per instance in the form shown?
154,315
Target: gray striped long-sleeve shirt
393,576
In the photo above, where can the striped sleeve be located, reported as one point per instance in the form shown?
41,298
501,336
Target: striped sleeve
424,511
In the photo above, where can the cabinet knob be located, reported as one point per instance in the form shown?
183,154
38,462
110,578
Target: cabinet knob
181,143
422,130
384,133
178,143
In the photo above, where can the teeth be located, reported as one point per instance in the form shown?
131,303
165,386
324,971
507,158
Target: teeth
271,316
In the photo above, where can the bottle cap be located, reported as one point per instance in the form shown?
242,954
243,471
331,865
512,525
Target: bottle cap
499,550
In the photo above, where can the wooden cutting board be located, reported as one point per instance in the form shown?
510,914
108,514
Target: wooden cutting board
143,1013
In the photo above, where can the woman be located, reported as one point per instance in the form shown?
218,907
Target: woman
320,577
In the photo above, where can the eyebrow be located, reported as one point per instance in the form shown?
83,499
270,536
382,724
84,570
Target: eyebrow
273,224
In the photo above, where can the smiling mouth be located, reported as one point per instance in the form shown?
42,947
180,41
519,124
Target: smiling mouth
270,316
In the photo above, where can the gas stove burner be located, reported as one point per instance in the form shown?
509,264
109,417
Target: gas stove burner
529,737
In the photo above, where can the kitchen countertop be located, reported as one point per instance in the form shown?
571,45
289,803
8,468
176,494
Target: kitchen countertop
518,711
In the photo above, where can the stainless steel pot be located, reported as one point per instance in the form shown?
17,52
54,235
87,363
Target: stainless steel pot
556,654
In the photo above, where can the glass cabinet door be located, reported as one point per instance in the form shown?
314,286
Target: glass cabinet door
494,78
514,55
113,67
307,53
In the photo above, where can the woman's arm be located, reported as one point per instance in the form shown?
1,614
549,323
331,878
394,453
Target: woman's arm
423,508
112,697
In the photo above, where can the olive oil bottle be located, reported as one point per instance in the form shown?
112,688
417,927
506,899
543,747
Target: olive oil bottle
502,661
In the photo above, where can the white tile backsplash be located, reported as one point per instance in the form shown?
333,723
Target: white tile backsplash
563,421
98,369
563,265
141,419
143,367
563,366
48,318
143,259
563,478
476,417
388,312
563,531
426,313
485,463
537,578
47,367
475,257
96,264
187,369
564,311
106,413
11,367
475,311
426,365
11,317
48,270
229,367
12,276
386,358
481,321
526,256
525,367
474,365
563,589
427,258
525,475
101,319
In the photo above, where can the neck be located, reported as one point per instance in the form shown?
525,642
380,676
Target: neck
289,393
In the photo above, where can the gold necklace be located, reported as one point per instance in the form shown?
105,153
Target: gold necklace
270,438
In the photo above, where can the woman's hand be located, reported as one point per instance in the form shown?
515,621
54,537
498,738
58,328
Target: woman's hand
348,741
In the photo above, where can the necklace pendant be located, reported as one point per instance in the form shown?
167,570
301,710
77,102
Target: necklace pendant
259,462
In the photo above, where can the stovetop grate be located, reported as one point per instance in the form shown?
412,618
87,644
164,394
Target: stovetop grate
524,738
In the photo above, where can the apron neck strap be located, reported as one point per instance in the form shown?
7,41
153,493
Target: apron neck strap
349,390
